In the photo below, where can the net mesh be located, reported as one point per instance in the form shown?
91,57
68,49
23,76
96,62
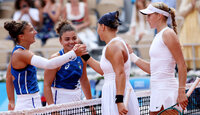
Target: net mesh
93,106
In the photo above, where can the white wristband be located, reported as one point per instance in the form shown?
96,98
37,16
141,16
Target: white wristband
53,63
134,58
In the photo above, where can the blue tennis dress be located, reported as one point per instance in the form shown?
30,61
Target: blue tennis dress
26,85
66,86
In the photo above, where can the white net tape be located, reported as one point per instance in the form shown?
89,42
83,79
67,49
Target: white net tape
78,104
53,108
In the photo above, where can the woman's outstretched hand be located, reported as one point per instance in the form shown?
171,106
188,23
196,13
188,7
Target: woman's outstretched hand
80,49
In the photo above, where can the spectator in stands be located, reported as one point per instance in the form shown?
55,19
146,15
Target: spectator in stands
190,31
49,12
165,52
61,85
22,71
25,12
77,13
139,26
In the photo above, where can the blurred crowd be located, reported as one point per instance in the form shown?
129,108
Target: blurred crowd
83,14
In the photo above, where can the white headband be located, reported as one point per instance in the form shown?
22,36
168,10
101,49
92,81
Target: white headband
151,9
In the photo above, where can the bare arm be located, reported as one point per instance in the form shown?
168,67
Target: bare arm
40,9
142,64
64,13
172,42
55,16
49,76
10,89
95,65
85,84
186,8
117,55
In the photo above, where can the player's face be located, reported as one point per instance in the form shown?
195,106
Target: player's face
29,34
152,19
68,40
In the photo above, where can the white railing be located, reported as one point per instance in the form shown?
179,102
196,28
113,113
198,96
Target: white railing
194,58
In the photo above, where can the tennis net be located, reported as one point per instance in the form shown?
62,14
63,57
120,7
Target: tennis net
88,107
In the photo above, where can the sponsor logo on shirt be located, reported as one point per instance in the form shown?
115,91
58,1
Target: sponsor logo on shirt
67,66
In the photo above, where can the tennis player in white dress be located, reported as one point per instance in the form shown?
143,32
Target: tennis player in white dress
109,106
115,67
165,52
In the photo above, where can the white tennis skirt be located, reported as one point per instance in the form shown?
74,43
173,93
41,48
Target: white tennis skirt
163,93
28,101
109,107
61,95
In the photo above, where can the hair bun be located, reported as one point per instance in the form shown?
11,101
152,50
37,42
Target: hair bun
9,25
61,24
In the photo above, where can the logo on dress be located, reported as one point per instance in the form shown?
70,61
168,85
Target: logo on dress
67,66
79,65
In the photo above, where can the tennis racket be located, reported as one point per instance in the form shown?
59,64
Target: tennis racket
126,98
173,110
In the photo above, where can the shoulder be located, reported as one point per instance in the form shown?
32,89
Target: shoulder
169,34
22,54
22,51
169,37
115,46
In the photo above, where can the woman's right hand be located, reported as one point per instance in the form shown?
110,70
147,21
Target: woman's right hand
11,106
80,49
121,109
129,48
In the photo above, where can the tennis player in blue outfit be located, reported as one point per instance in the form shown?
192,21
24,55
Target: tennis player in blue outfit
21,72
61,85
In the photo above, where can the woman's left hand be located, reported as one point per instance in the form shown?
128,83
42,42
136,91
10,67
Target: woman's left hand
121,109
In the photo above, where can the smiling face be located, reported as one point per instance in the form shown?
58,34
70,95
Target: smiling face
28,34
68,40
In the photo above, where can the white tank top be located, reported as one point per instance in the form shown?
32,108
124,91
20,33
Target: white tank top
75,17
106,66
162,63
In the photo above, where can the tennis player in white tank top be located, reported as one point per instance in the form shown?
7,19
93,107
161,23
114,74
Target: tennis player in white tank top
115,67
165,52
109,87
